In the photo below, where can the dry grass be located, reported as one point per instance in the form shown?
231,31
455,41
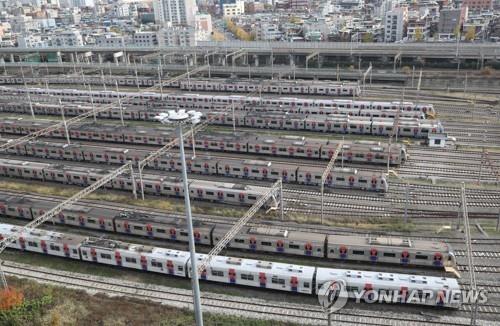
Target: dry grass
107,196
76,307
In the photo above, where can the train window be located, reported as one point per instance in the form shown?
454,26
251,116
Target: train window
236,169
248,277
318,177
98,155
70,218
76,177
239,240
300,150
113,157
11,209
149,186
389,254
137,227
265,243
184,234
75,251
130,260
54,247
276,280
358,252
274,173
106,256
421,257
406,129
180,268
129,183
359,155
156,264
255,171
353,127
306,285
282,149
352,289
229,145
362,181
32,244
252,197
90,221
93,179
292,246
197,165
230,195
217,273
340,179
209,193
166,188
160,231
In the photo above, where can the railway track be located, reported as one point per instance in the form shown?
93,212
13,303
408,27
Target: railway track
292,226
216,303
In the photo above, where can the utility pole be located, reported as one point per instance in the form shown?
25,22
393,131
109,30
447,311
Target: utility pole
407,198
119,103
64,122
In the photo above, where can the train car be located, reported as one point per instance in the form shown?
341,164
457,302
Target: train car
281,241
44,242
225,192
165,228
146,258
16,206
343,178
401,251
403,285
256,273
22,169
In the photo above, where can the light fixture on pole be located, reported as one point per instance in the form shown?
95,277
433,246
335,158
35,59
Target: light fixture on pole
179,118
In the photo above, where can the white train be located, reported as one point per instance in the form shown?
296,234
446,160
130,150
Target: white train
308,87
232,270
227,167
210,101
221,192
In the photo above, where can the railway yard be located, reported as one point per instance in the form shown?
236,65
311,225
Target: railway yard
384,188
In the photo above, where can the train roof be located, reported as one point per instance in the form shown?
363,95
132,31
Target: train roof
24,163
388,242
109,244
164,220
384,280
269,232
52,236
256,266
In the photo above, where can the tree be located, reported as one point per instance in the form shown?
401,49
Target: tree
217,36
456,31
419,36
471,34
367,38
10,298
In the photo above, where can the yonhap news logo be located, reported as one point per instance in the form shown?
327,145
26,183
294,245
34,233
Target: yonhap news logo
333,296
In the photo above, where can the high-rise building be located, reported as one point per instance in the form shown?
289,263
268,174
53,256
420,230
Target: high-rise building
395,24
451,19
177,12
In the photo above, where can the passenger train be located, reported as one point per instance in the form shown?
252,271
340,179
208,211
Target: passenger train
136,112
369,248
340,124
227,167
334,123
210,101
220,192
213,84
286,146
231,270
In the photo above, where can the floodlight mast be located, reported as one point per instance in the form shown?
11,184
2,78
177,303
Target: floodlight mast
178,119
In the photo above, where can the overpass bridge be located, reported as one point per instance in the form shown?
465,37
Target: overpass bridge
301,54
